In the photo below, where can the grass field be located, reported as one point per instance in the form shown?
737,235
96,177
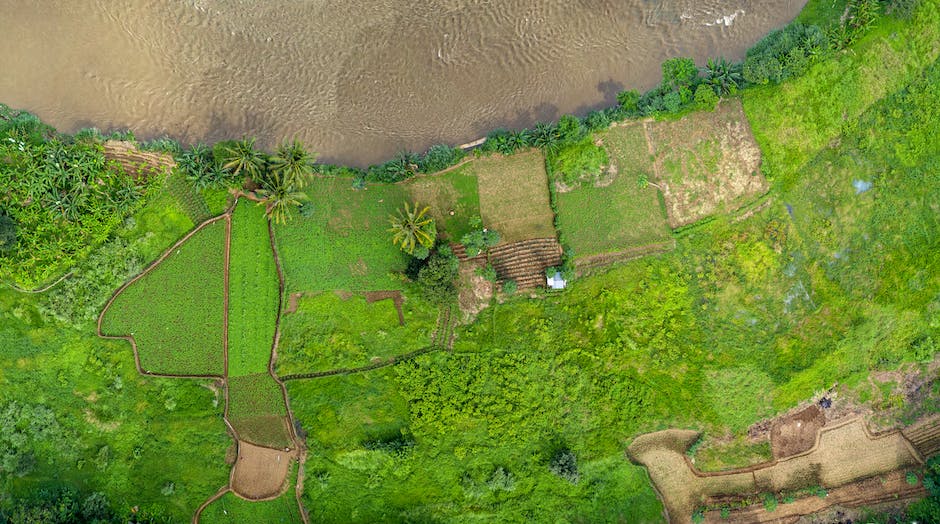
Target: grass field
514,195
706,163
253,292
330,331
257,412
172,339
232,509
345,243
595,219
453,192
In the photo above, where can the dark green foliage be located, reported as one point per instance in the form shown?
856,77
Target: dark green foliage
722,76
440,157
510,287
436,278
545,136
26,431
404,165
571,162
570,129
199,166
596,121
678,73
488,272
339,171
7,232
770,501
784,53
629,101
62,194
506,142
564,463
705,97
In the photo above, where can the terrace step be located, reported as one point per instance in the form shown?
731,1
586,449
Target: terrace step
925,437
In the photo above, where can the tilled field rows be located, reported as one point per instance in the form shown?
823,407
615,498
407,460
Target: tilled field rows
524,262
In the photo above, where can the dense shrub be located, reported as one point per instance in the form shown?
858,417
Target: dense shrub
573,161
7,232
784,53
564,463
479,239
440,157
510,287
597,121
436,278
705,97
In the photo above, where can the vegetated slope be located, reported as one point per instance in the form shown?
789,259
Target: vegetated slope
257,411
174,311
232,509
253,292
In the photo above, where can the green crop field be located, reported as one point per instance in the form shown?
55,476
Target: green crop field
595,219
172,339
256,410
453,198
253,292
344,244
329,331
230,509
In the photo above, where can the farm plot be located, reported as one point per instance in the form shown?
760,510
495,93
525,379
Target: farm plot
706,163
514,196
453,198
233,509
338,330
253,292
844,453
257,411
170,339
342,242
614,213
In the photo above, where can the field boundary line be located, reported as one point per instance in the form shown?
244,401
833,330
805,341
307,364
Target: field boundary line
292,428
219,494
350,371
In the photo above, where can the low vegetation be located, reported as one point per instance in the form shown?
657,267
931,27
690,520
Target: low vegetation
257,411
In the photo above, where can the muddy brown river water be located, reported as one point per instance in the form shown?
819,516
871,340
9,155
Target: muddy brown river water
356,80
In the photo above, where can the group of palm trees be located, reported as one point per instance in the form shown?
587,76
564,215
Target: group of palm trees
281,177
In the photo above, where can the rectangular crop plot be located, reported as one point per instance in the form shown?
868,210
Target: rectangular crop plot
257,411
707,163
253,292
341,330
344,242
614,213
175,310
514,195
453,198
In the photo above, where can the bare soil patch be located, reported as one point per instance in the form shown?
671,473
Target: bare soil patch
796,433
260,473
475,291
395,296
136,163
706,163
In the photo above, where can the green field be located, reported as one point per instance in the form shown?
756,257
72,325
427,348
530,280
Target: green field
172,339
253,292
453,192
234,510
257,411
329,331
344,244
595,220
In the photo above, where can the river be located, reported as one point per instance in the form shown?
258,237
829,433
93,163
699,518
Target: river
355,80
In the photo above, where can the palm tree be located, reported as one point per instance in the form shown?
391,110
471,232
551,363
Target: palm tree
293,162
413,227
722,75
242,158
279,200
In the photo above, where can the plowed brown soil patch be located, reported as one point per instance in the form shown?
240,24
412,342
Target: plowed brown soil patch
796,433
260,473
136,163
524,262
